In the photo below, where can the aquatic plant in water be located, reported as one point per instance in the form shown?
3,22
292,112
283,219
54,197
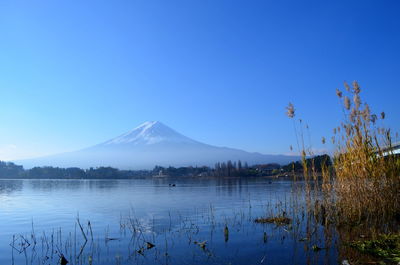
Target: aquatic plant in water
386,247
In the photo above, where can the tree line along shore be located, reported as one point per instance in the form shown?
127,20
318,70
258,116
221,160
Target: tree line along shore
9,170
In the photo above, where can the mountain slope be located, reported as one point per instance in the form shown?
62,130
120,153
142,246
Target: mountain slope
152,143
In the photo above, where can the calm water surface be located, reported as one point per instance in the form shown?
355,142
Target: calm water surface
199,221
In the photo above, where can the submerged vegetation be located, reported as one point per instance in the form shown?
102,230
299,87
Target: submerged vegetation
278,220
386,247
200,239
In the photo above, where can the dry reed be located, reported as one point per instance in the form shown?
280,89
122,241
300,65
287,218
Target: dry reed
367,172
364,183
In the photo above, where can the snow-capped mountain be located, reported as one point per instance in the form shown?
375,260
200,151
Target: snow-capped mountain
150,132
153,143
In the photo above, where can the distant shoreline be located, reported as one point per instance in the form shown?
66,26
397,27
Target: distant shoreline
229,169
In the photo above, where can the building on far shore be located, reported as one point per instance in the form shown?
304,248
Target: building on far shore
393,149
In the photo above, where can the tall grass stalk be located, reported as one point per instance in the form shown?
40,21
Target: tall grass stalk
367,183
364,183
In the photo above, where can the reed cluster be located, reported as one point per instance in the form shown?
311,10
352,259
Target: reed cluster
364,182
367,172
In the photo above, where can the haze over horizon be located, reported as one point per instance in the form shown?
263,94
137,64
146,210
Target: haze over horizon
152,144
76,73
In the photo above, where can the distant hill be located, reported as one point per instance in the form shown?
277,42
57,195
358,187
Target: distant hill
152,143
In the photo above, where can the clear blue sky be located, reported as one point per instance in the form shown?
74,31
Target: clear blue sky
75,73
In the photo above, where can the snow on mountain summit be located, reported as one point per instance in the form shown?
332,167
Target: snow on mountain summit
150,132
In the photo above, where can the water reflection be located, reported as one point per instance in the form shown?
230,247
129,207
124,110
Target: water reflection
9,186
187,223
51,185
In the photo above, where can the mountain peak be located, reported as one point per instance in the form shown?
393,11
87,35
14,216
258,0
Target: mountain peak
149,124
149,132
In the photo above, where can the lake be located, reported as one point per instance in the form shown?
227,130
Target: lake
186,221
